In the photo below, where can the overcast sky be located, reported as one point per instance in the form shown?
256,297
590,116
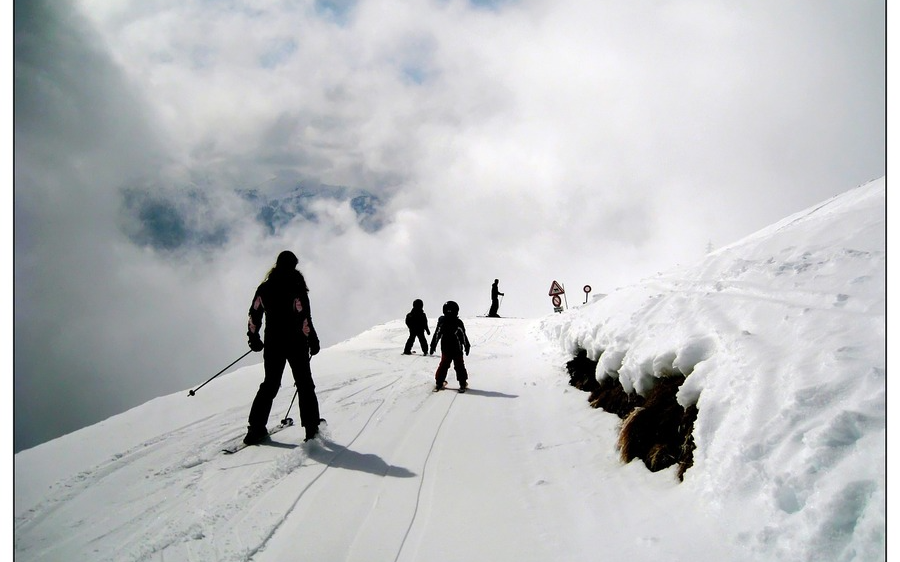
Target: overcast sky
584,141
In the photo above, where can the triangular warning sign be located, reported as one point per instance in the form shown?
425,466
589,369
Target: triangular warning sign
556,289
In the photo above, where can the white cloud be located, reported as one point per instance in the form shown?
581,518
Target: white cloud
499,140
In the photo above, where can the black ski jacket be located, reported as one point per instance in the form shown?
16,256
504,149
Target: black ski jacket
451,332
284,300
417,321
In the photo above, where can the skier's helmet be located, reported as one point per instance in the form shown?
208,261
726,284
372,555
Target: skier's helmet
418,303
451,308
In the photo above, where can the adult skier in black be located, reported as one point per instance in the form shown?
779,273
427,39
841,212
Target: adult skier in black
451,332
290,337
417,322
495,302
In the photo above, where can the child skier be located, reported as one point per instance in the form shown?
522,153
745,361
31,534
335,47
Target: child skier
417,322
451,332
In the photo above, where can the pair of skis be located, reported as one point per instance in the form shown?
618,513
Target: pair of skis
237,444
461,389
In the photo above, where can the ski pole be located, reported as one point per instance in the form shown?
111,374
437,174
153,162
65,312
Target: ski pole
192,392
287,420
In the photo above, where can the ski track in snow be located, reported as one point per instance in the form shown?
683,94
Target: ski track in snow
382,477
189,479
415,441
333,459
421,481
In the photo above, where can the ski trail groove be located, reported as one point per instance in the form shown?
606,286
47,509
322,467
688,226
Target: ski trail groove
224,516
422,479
293,506
71,487
487,336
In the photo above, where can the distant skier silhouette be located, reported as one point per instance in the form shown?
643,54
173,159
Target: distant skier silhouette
495,302
417,322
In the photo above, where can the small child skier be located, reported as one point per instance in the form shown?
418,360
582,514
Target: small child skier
417,322
451,332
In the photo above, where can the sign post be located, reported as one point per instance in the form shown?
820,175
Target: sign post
555,291
587,290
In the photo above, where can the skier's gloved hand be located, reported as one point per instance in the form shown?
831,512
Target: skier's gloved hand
255,342
314,346
467,350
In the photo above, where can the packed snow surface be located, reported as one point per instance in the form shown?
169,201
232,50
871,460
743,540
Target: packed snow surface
781,336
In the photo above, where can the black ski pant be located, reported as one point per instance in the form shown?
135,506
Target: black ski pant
274,359
412,338
495,306
459,365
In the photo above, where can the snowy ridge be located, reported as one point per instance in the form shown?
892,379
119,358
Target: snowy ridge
781,336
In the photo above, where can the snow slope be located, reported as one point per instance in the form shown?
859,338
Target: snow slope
783,338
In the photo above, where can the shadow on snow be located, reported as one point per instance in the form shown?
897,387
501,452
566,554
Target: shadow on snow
339,456
489,393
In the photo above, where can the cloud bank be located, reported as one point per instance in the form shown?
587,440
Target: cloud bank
165,152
